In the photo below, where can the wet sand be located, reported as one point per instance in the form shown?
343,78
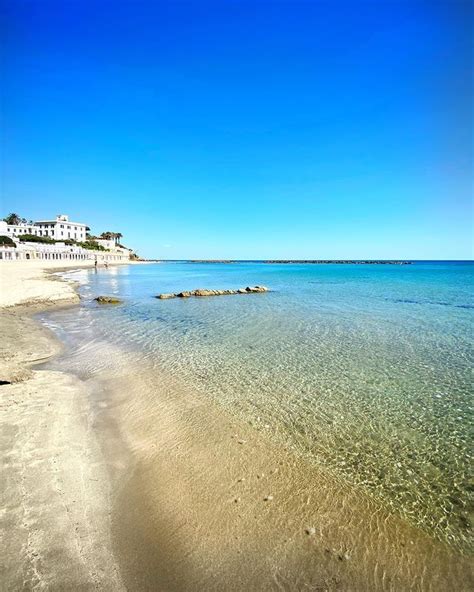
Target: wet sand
212,504
56,490
55,495
130,481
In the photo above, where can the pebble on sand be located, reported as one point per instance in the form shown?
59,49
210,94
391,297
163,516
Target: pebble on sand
310,531
268,498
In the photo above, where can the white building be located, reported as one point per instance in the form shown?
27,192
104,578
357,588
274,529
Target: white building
13,230
106,243
59,252
59,229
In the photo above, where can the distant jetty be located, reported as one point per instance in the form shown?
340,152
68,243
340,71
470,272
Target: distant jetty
202,292
338,261
313,261
213,261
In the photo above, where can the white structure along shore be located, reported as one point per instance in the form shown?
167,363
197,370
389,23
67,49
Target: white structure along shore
60,252
60,229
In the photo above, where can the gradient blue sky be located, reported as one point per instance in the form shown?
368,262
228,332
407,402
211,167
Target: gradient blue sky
244,129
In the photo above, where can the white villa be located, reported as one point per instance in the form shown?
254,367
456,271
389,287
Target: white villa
59,230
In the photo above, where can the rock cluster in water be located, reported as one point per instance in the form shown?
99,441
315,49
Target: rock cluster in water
107,300
201,292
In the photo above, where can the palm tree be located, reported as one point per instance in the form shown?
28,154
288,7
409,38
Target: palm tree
115,236
12,219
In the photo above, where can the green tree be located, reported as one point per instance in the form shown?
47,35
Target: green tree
115,236
7,241
12,219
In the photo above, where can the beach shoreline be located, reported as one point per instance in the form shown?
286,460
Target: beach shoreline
106,491
213,503
56,497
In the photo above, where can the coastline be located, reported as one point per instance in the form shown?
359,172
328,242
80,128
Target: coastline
212,503
155,504
56,496
32,283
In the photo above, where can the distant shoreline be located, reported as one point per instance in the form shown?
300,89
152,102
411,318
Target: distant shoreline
290,261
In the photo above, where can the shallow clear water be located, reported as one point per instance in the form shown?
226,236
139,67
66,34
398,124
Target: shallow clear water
365,369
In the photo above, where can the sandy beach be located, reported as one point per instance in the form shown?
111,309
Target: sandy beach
55,498
108,488
32,282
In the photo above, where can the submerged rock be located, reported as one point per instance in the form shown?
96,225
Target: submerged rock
107,300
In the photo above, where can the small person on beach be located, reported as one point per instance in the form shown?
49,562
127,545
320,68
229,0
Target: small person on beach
106,265
95,264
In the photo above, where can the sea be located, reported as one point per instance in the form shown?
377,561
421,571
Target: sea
364,369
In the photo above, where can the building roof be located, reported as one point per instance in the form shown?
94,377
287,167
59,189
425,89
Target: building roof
59,222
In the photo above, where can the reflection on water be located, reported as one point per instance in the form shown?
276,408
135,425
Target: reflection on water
363,369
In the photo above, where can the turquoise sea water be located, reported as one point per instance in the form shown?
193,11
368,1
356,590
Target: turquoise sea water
365,369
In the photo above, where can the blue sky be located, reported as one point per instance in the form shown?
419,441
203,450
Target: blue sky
243,129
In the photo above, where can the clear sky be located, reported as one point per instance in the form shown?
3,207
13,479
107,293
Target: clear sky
243,129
